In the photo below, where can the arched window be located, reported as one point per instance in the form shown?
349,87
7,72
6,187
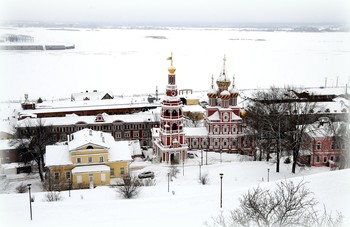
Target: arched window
174,127
167,113
90,147
174,113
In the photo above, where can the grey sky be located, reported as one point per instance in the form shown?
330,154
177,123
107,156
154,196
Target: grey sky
176,11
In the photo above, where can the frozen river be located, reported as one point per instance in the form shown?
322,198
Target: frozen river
130,61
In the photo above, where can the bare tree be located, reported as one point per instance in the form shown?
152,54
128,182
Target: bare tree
289,205
279,121
265,114
31,141
130,189
299,116
193,119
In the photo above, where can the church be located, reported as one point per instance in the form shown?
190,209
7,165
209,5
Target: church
223,131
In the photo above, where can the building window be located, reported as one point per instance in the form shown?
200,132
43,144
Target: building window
127,134
57,176
333,145
112,172
78,160
90,159
325,159
194,143
216,129
332,158
122,172
318,159
225,130
103,177
234,143
318,145
67,175
234,129
79,179
136,134
101,158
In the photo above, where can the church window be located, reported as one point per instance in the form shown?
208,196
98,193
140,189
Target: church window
234,143
174,126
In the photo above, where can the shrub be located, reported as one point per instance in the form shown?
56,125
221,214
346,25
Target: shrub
130,189
204,179
289,205
148,182
22,188
287,160
53,196
173,171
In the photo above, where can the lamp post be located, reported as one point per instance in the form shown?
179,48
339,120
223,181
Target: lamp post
70,183
221,175
30,201
168,181
268,175
200,171
183,167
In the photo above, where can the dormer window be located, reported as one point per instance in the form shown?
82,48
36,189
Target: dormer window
99,118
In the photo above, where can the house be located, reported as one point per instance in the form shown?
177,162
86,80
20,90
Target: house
324,143
88,159
85,96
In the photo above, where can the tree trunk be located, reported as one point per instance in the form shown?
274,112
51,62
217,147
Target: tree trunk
278,162
295,159
41,169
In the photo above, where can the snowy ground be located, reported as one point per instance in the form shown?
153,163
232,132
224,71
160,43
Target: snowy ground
187,204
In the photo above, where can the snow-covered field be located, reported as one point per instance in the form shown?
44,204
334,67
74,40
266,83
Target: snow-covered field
187,204
132,61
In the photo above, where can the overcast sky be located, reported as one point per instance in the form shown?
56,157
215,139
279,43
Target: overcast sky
176,11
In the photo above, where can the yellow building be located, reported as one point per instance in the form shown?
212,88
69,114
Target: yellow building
90,158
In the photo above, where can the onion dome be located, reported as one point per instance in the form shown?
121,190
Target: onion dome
212,92
225,95
223,81
242,113
171,70
233,90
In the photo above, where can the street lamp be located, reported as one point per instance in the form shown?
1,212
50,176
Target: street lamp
30,201
268,175
221,175
220,156
168,181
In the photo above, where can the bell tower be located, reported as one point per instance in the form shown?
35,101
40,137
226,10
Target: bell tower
171,146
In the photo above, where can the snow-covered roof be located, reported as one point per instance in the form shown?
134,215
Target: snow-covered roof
85,106
324,128
90,95
198,131
57,155
117,150
5,145
193,108
135,148
88,136
91,168
73,119
214,117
